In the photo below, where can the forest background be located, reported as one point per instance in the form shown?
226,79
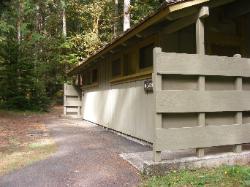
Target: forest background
40,40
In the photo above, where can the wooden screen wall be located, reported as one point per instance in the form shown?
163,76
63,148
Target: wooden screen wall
72,101
178,101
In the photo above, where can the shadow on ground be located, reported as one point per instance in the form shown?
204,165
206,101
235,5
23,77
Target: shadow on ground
87,155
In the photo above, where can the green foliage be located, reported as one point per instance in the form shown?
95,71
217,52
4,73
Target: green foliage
223,176
142,8
35,55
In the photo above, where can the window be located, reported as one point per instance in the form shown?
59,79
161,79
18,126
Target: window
88,78
128,65
94,75
146,57
82,79
116,68
134,62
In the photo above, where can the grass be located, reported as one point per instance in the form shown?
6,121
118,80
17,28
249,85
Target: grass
228,176
31,153
18,146
21,112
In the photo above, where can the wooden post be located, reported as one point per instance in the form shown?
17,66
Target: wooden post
238,117
157,81
200,49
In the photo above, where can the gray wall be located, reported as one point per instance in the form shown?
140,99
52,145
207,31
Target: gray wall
225,101
127,108
124,107
72,101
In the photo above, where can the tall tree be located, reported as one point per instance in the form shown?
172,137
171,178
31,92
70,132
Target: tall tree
116,5
64,18
126,15
38,44
19,20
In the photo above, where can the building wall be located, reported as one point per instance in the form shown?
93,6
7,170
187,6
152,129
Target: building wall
127,108
124,107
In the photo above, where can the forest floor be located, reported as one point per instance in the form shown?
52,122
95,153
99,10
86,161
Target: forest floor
85,154
24,139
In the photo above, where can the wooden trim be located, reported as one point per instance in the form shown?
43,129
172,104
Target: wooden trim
90,86
160,15
140,73
195,137
133,77
73,103
202,101
157,81
193,64
184,5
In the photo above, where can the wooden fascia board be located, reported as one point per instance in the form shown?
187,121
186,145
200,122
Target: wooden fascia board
185,4
162,14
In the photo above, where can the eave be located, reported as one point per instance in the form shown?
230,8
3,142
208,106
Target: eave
167,11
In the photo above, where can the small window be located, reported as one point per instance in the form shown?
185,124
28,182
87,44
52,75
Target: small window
88,78
146,56
82,79
128,66
94,75
116,68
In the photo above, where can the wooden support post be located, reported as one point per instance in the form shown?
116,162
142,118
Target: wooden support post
65,99
157,81
200,49
238,117
79,111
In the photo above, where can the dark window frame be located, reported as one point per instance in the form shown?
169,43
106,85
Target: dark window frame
144,56
114,65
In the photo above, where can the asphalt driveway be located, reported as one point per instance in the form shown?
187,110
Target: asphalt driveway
87,155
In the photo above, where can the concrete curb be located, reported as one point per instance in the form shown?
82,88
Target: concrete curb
143,162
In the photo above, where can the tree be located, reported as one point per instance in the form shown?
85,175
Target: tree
116,16
126,15
38,44
64,18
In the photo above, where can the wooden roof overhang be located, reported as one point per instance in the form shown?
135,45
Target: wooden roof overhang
169,11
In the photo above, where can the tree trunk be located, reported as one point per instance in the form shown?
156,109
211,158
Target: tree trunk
116,18
19,21
64,18
126,15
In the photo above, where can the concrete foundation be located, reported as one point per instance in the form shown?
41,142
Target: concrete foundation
187,159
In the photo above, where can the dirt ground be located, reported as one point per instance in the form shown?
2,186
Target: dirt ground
87,155
17,129
24,139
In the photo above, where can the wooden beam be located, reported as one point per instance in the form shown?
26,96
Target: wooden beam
239,115
124,44
237,9
187,4
193,137
185,22
161,15
216,3
138,35
202,101
184,13
200,48
157,79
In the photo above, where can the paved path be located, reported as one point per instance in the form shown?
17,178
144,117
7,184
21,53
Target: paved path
87,155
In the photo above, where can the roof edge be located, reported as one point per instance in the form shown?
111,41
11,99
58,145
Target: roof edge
167,7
